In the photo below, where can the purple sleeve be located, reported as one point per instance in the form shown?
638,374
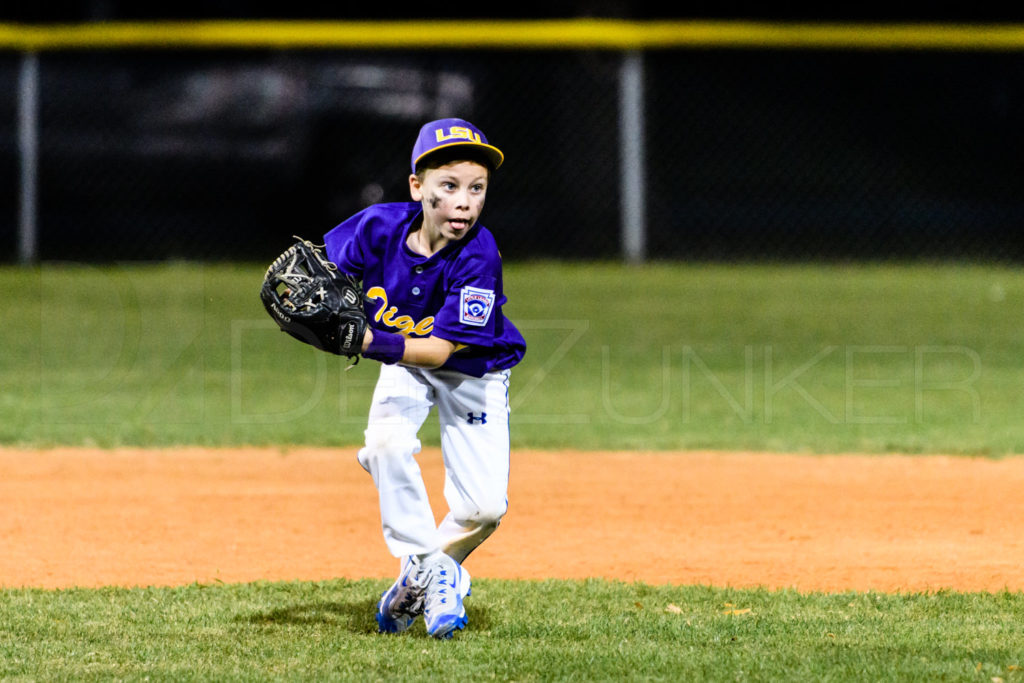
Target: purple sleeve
472,306
344,246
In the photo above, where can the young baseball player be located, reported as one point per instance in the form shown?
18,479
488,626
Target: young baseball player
432,278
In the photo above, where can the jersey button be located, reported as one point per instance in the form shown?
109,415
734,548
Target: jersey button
415,290
418,269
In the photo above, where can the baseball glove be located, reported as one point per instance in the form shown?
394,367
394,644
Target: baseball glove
310,300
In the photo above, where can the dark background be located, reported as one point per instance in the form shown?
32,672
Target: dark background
752,154
100,10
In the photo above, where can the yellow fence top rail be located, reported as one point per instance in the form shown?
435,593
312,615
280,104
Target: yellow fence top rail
602,34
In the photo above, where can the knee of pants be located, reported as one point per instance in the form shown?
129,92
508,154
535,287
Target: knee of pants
483,516
381,444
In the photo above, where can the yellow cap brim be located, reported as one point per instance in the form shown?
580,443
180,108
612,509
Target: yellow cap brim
494,155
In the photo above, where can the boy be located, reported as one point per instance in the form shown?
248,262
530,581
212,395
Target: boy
432,279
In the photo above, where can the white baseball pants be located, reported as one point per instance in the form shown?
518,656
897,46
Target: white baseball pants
473,415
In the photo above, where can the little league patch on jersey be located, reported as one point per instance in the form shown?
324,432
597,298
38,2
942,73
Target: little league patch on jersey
476,305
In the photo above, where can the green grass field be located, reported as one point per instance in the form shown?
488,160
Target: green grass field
815,359
520,631
798,358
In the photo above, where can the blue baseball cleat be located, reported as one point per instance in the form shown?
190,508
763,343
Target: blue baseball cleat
403,602
447,583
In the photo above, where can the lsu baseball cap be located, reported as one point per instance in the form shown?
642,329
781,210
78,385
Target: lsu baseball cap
447,133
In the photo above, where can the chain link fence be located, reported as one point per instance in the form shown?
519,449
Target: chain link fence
750,154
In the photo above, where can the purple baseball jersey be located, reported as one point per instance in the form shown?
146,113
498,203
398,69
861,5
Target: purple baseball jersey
456,294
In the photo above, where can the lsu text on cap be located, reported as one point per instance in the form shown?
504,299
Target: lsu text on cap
445,133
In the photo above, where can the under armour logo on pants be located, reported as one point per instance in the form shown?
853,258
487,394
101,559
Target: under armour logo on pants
481,418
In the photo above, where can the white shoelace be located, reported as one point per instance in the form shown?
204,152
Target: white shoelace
443,596
415,592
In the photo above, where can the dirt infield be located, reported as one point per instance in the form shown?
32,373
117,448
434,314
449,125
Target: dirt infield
77,517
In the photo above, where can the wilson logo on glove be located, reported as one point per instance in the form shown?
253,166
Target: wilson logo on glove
310,300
